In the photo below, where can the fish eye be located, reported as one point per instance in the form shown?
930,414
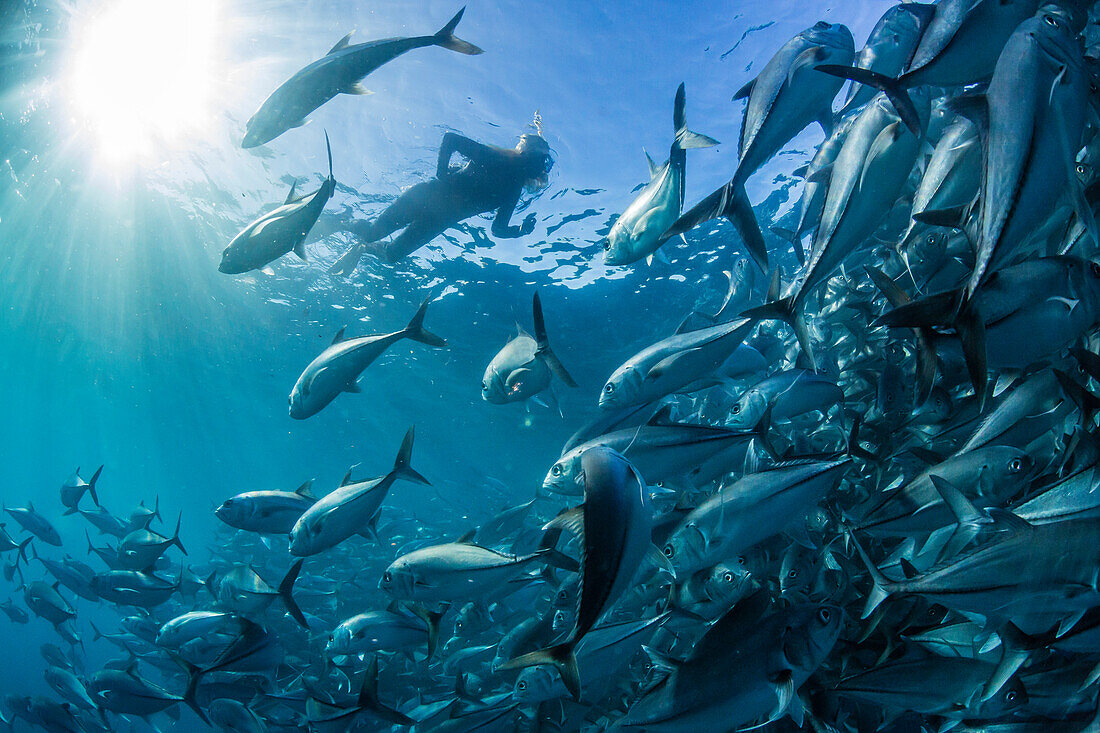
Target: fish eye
793,573
1015,465
1010,696
556,470
1049,20
741,560
607,245
1095,269
669,551
386,577
1080,169
931,239
727,577
737,409
521,685
824,615
609,388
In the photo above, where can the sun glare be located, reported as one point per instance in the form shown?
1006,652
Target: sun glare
143,74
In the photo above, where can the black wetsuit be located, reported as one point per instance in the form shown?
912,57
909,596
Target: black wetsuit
492,179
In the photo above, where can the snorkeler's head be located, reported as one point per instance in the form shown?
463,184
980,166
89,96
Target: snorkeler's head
535,148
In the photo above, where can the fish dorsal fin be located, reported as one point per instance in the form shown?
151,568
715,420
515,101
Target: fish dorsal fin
304,489
654,169
339,336
347,477
340,45
467,538
290,194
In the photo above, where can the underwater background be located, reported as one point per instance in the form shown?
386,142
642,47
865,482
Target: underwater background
122,344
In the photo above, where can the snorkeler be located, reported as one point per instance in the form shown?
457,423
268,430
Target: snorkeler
492,179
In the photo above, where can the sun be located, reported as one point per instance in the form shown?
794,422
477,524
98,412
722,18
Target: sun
143,74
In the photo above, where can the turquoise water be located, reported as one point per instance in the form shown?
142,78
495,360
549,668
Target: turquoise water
122,344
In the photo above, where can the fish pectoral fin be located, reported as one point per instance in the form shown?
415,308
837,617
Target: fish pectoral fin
744,91
783,686
882,143
516,377
666,365
654,169
659,661
810,57
358,89
300,250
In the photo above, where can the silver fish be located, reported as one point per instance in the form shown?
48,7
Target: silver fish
340,71
637,233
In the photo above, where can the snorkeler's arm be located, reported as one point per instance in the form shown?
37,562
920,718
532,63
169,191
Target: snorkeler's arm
502,230
464,146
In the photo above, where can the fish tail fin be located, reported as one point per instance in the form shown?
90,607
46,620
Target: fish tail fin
796,242
971,329
927,312
447,39
415,330
1016,649
286,592
402,465
91,485
328,149
880,590
730,202
891,87
685,138
786,310
431,620
557,559
346,263
560,656
544,349
176,535
23,551
368,697
194,676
